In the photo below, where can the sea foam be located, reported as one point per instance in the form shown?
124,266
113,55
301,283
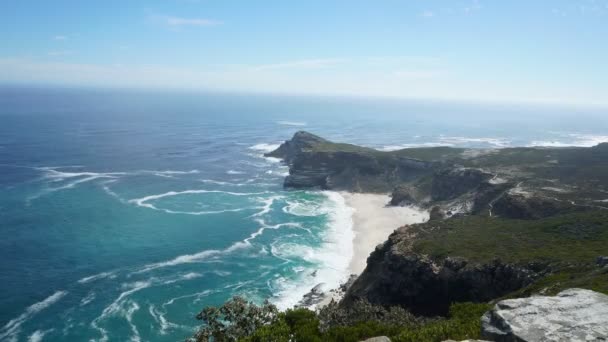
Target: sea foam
331,258
264,147
13,327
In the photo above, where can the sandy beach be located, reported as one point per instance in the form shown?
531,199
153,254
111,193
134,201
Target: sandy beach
373,222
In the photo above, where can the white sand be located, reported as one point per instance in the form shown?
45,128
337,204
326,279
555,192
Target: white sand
373,222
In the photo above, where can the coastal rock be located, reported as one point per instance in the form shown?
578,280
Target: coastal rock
402,195
316,295
397,276
529,207
302,141
451,183
437,213
351,280
573,315
602,261
378,339
317,163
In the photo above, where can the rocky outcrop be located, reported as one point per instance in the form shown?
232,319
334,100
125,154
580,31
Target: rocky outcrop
404,195
573,315
397,276
556,180
378,339
453,182
529,206
317,163
301,142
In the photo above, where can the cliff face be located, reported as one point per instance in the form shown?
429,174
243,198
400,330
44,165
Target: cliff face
397,276
426,267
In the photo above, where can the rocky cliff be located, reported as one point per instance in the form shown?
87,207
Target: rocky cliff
505,222
316,162
522,183
396,275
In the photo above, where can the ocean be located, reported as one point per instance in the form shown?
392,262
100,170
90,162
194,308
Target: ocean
124,213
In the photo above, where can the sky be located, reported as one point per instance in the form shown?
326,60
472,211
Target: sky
479,50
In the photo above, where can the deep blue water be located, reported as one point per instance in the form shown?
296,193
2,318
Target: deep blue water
123,213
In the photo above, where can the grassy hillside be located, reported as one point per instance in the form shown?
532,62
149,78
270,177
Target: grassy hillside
569,244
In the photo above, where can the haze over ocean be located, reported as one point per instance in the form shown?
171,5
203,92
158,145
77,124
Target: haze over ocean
123,213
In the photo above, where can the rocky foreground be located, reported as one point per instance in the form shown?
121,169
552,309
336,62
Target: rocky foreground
505,223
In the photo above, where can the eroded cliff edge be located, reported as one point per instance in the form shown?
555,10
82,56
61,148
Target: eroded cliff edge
504,222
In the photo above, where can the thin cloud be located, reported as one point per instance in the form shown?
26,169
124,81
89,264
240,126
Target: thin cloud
60,53
60,37
418,74
177,22
427,14
301,64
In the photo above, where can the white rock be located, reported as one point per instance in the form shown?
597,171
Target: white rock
573,315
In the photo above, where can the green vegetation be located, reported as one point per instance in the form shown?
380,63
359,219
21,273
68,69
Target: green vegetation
423,153
587,277
568,245
569,239
440,153
238,320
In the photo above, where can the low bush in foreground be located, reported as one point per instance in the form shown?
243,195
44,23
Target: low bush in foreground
239,320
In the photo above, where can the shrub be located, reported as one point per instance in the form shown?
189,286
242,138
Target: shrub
235,319
239,320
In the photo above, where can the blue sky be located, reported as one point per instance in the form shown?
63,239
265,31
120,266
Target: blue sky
553,51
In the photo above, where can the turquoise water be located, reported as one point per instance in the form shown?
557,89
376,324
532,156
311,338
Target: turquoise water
122,214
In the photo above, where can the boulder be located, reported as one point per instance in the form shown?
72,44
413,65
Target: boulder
378,339
573,315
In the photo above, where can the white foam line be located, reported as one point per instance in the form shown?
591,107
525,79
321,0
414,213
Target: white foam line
89,298
266,148
182,259
193,258
187,276
198,294
575,140
267,205
159,317
13,327
142,200
264,226
95,277
129,316
172,172
291,123
38,335
115,306
59,175
211,181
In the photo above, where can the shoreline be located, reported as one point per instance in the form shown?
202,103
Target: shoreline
373,222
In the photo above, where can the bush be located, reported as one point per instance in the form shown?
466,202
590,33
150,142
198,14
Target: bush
333,315
233,320
239,320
